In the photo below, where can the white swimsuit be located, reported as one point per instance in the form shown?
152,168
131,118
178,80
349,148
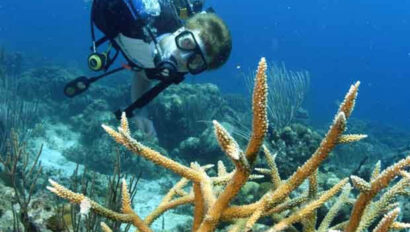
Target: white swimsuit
136,50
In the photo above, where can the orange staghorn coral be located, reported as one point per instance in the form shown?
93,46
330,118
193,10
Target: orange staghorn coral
212,195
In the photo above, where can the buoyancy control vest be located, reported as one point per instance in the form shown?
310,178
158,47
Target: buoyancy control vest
113,17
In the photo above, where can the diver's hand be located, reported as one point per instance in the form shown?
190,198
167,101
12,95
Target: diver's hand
146,126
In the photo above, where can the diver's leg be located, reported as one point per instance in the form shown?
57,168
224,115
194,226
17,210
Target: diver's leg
140,85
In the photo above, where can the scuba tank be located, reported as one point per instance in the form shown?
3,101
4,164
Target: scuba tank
143,9
150,8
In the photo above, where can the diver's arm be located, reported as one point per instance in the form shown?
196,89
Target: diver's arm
140,85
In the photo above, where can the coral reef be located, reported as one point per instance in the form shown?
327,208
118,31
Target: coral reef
39,211
46,84
182,111
187,109
212,195
22,172
204,146
293,145
93,142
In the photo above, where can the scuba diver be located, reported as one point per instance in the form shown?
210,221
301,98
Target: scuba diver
162,40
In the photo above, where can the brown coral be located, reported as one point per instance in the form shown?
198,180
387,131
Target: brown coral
213,205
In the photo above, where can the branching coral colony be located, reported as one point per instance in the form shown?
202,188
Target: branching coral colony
212,205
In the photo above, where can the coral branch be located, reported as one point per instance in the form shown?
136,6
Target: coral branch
387,221
331,214
226,142
125,139
276,180
381,182
351,138
77,198
349,102
360,184
126,200
376,171
327,145
307,169
384,204
105,228
400,226
259,108
309,208
167,202
309,222
241,175
124,124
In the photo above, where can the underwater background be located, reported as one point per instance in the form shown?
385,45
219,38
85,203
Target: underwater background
45,44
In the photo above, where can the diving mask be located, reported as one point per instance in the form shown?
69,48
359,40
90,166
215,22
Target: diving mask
180,52
195,59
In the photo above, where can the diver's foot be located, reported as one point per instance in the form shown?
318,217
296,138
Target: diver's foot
146,127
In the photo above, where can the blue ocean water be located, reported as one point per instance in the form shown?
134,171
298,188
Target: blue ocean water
337,41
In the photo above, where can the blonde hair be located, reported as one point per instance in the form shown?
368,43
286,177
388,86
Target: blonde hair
215,36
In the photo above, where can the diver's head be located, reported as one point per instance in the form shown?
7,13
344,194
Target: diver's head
215,37
204,43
